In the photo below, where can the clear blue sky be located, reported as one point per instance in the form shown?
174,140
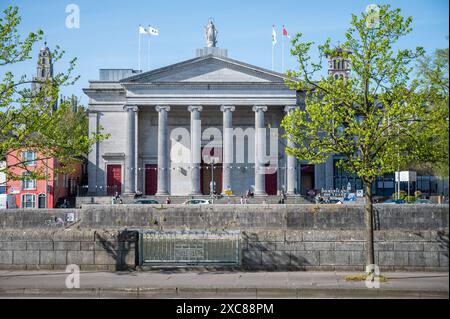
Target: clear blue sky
108,38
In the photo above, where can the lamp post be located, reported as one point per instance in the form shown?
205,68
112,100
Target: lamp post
212,160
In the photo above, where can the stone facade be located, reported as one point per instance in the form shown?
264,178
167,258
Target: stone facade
145,113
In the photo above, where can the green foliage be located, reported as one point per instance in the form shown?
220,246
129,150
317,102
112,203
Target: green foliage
433,72
402,195
27,119
410,199
378,117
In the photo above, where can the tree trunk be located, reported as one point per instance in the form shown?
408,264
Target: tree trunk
368,217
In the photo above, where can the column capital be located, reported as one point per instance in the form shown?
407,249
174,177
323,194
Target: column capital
160,108
289,108
195,108
256,108
224,108
128,107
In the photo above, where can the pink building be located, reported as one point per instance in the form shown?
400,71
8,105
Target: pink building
45,192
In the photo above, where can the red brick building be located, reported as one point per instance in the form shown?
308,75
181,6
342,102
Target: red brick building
45,192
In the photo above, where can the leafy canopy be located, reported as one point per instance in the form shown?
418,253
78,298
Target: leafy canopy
28,120
377,116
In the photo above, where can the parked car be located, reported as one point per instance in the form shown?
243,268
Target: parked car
146,201
423,201
65,202
197,202
394,201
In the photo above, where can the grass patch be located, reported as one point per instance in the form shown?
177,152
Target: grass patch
363,277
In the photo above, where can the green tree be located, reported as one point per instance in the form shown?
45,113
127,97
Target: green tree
433,74
373,118
28,120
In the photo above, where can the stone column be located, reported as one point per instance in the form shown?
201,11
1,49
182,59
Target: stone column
260,142
163,151
130,156
227,145
291,161
196,135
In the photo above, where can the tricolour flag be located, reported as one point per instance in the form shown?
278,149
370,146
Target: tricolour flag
142,30
285,33
274,36
153,31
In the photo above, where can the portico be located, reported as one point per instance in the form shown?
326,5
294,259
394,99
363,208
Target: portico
161,120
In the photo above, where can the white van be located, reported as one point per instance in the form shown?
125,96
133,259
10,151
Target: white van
7,201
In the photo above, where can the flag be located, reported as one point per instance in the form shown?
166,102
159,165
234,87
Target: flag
274,36
142,30
285,33
152,31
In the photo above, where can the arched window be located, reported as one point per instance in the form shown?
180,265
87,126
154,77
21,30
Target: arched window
42,201
336,76
334,64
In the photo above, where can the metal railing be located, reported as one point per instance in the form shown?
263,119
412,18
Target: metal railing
189,248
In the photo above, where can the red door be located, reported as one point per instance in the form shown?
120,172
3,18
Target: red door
114,179
271,184
151,179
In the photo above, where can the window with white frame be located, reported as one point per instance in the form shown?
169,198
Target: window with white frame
28,201
29,157
27,182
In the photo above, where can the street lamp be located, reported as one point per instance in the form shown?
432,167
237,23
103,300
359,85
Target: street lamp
212,161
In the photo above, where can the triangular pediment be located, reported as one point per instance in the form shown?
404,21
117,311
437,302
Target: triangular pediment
207,69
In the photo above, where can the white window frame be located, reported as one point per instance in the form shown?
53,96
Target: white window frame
33,201
37,200
24,181
25,158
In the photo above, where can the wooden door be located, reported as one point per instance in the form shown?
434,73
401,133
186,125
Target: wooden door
151,179
271,184
114,179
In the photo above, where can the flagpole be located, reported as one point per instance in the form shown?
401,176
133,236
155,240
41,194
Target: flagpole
148,53
272,55
282,50
139,50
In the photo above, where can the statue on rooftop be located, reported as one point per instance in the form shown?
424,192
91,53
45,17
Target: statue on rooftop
211,34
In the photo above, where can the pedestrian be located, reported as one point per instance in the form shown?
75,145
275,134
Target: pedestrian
242,200
168,200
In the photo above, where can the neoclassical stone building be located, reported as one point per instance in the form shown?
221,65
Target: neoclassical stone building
221,104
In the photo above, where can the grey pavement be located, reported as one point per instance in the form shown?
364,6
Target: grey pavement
219,284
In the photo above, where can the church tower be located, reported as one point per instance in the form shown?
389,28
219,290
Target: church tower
338,65
44,70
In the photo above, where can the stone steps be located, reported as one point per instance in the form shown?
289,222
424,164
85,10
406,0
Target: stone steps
105,200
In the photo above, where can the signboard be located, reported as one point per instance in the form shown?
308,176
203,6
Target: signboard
70,217
359,193
406,176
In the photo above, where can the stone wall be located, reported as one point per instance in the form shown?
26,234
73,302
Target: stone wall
345,250
275,237
284,217
272,216
30,249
